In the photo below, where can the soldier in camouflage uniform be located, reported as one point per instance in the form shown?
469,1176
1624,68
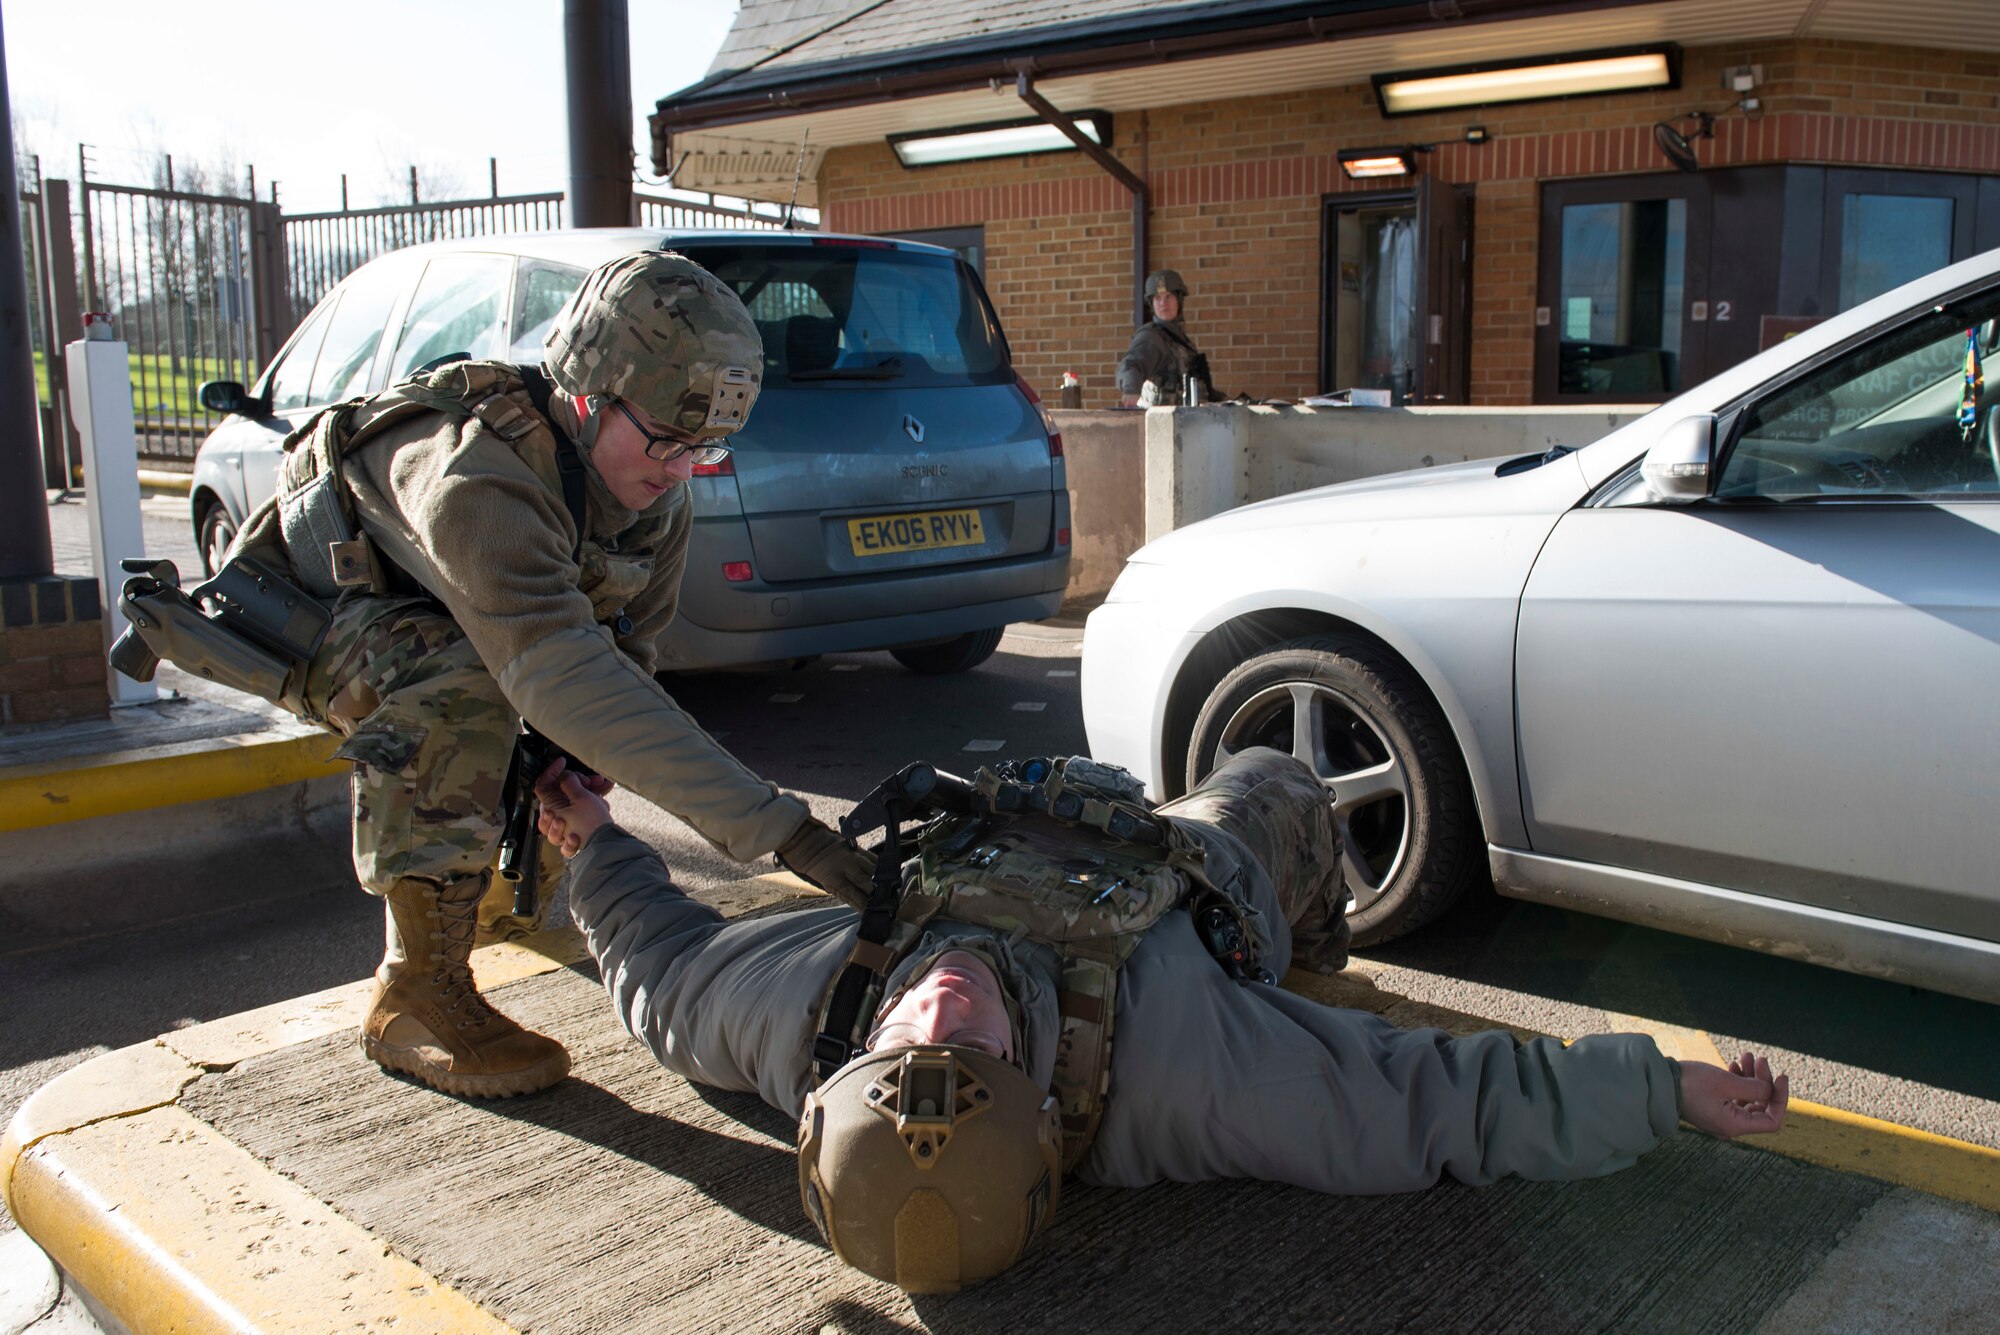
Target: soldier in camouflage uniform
1161,350
933,1157
515,556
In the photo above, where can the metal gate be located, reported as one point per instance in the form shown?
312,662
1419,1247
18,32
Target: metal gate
181,276
208,287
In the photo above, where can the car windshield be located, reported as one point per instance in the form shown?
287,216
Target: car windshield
842,313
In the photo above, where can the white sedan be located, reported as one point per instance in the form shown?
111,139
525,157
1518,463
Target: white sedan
1733,670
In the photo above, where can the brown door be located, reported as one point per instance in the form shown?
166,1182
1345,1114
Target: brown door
1622,311
1396,298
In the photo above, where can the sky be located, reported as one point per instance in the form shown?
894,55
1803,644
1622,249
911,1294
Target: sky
305,90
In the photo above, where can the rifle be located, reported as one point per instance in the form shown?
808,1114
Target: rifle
520,861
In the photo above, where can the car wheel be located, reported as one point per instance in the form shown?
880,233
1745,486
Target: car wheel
962,654
216,532
1402,803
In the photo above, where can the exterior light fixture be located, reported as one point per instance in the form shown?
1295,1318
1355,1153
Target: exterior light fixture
1546,78
1366,164
996,139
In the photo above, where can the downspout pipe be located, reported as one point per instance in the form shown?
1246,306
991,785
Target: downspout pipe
1024,88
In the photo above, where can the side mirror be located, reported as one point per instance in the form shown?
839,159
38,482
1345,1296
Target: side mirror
226,396
1677,469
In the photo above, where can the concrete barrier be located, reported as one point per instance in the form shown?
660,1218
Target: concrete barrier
1105,454
1202,461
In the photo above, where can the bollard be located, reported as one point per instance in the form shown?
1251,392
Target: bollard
100,394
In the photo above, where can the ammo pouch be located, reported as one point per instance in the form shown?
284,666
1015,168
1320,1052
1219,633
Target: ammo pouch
249,628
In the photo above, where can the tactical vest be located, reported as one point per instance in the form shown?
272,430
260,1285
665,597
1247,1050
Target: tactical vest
322,538
1074,860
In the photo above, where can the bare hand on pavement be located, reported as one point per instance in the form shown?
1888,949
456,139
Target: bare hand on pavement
1744,1100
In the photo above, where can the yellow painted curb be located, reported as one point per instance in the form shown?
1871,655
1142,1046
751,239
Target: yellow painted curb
33,796
170,1226
161,480
1869,1147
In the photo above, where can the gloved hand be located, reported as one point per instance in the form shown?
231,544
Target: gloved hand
819,856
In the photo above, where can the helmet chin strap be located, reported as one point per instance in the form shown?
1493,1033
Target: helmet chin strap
589,416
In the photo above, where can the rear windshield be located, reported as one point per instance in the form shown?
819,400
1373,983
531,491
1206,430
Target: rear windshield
838,314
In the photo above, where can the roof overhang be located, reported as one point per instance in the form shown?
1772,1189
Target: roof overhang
740,133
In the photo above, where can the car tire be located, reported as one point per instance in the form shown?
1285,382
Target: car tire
962,654
213,536
1409,832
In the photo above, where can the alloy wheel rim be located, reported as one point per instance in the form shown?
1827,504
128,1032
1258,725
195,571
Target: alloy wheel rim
1364,776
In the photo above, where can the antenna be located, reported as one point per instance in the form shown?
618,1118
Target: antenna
798,170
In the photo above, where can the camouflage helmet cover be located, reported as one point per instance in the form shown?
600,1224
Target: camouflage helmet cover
930,1167
657,330
1165,280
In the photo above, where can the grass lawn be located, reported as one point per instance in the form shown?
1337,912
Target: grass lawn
157,390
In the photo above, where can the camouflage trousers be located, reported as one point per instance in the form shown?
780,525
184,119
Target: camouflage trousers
430,736
1277,806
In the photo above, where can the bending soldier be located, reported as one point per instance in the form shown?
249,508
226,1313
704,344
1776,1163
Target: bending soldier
1161,351
933,1146
504,549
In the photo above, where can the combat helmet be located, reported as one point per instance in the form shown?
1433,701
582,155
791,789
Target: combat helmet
930,1167
659,331
1165,280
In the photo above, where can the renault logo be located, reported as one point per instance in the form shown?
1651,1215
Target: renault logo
913,428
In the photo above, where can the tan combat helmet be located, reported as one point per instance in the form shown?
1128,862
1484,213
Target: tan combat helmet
930,1167
1165,280
657,330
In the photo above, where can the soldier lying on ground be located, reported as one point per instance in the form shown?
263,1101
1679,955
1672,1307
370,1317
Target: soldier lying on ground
516,547
932,1148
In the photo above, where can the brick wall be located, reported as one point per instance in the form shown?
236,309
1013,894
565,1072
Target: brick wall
51,651
1237,185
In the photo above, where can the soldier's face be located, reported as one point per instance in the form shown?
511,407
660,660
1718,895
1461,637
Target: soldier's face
958,1002
631,475
1166,305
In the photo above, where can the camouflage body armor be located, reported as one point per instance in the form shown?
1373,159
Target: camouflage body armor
1065,853
314,511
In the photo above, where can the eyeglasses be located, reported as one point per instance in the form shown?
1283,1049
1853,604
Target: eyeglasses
666,446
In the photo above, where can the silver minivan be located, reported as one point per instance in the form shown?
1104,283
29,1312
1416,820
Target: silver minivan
898,485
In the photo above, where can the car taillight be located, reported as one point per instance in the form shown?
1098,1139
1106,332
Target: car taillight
737,571
726,468
1048,422
1062,536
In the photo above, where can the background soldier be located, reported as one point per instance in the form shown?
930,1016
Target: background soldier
932,1157
515,552
1161,350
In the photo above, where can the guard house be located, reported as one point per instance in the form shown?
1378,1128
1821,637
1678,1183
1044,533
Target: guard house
1463,201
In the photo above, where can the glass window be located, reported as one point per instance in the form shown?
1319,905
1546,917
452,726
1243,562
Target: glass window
355,333
863,313
459,308
540,292
1887,240
1908,414
292,381
1620,302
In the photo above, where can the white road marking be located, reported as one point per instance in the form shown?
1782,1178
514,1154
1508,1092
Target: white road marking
1062,672
1029,706
786,698
984,744
847,667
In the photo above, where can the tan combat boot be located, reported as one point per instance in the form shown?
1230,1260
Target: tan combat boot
429,1021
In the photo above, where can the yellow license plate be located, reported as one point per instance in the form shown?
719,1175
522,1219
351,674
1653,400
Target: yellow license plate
880,535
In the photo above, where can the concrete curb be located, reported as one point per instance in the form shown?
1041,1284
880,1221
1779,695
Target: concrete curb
56,792
168,1225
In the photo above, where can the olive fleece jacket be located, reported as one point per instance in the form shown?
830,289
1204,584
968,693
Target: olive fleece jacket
1209,1078
459,510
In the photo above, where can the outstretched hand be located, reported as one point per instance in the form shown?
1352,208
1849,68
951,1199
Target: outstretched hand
572,806
1744,1100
